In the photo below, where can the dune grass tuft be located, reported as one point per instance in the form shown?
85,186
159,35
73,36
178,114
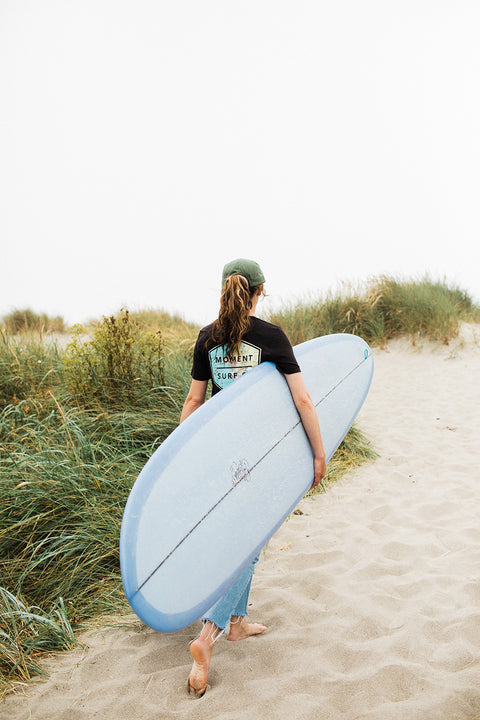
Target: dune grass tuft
385,309
27,633
20,321
354,450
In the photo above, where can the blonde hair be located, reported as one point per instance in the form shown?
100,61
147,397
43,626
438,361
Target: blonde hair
233,320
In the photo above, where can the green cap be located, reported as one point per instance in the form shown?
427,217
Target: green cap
247,268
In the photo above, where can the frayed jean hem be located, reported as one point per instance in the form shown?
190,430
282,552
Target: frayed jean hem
234,602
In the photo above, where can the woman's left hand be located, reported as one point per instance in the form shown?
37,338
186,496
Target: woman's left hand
319,470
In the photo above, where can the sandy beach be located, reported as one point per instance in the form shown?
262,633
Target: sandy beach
371,595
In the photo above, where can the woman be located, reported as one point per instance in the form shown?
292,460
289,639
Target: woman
227,348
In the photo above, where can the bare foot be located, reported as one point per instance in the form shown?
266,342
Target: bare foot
201,650
240,629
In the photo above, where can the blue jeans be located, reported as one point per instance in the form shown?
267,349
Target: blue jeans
234,601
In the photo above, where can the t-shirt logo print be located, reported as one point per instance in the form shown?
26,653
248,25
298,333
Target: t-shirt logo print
227,368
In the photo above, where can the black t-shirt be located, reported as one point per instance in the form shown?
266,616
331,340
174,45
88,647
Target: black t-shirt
261,343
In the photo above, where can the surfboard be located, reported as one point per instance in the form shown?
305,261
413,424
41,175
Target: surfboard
221,484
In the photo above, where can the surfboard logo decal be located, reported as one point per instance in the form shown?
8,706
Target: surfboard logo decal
240,471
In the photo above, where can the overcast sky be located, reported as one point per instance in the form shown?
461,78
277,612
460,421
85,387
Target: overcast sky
145,143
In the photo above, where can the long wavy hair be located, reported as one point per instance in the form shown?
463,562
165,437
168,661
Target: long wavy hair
234,316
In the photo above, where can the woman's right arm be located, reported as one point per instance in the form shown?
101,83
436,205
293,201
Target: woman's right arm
308,416
195,398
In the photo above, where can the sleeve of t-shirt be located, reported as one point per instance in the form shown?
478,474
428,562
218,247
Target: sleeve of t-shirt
284,357
201,366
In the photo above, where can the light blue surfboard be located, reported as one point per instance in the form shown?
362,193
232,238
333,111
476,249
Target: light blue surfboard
222,483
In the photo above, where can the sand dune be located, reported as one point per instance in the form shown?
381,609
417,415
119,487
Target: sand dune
371,596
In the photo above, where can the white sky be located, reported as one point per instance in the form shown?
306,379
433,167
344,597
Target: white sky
144,143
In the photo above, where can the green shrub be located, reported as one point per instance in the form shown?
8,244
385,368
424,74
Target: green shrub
120,365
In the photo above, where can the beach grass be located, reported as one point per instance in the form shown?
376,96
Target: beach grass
78,420
384,309
353,451
26,634
25,320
